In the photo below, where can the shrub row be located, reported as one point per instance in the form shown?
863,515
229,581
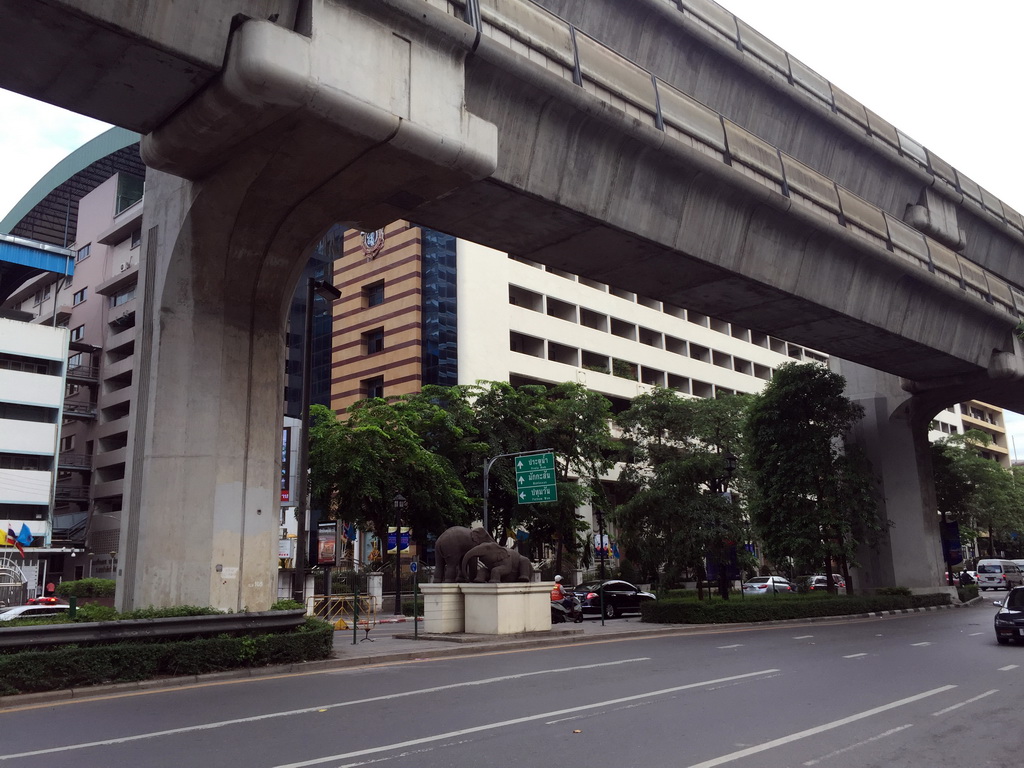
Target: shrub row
90,587
767,608
72,666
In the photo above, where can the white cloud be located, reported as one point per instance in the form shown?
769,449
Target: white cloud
33,138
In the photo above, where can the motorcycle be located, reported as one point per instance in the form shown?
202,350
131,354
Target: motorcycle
566,610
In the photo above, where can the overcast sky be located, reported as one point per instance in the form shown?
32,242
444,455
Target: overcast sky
942,71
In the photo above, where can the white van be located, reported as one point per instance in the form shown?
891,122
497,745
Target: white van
999,574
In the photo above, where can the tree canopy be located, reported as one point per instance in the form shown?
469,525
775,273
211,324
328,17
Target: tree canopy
812,499
976,492
676,453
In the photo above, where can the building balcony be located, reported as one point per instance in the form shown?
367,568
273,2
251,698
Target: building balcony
80,411
109,490
71,493
119,368
75,461
111,458
116,427
83,374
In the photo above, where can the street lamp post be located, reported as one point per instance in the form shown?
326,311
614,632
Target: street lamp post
325,290
400,506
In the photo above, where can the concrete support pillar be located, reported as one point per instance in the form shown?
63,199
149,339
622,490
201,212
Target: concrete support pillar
287,142
894,434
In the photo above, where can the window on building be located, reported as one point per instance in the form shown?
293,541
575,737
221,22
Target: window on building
122,297
374,293
373,341
137,237
67,443
373,387
41,295
77,334
83,253
78,297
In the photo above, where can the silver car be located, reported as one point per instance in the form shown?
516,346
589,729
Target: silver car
768,585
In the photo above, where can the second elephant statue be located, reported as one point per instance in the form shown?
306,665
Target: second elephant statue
496,564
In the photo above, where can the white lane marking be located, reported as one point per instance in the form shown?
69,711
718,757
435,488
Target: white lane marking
725,647
854,655
890,732
803,637
919,645
975,634
1008,667
308,710
517,721
818,729
962,703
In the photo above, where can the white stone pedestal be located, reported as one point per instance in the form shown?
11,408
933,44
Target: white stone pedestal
443,608
505,609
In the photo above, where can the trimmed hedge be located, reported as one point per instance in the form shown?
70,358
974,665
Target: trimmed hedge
742,610
73,666
86,588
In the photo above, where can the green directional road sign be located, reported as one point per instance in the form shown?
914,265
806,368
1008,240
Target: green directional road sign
535,478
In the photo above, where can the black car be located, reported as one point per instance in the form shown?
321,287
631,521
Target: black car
619,597
1010,617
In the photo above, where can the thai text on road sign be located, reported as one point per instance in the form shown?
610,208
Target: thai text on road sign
535,478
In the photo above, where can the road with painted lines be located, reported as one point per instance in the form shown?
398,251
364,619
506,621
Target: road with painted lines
930,689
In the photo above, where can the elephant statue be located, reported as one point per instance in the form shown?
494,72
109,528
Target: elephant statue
450,548
498,564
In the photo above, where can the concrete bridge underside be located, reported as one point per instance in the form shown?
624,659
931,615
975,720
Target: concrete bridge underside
378,113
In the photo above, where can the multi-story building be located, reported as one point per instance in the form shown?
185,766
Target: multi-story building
419,307
32,378
91,201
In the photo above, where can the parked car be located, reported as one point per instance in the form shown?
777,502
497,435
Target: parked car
999,574
619,597
767,585
819,582
33,612
1009,619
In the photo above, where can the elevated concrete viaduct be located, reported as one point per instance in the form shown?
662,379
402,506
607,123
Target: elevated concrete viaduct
798,213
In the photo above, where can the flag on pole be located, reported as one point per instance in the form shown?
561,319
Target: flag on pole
12,541
25,536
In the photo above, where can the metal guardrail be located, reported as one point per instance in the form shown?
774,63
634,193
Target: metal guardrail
550,42
149,629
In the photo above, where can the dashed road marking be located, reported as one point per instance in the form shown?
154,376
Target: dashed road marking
1008,667
962,703
803,637
725,647
854,655
919,645
890,732
734,756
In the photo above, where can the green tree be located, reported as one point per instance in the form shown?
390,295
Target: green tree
812,498
974,491
359,464
568,419
676,450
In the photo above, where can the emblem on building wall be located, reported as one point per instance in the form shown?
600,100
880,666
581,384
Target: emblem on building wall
372,243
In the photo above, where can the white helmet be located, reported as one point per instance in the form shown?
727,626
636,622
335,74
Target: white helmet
558,579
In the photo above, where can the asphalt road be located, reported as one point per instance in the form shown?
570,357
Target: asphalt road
929,689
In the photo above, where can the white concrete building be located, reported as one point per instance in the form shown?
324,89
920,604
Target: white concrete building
32,380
